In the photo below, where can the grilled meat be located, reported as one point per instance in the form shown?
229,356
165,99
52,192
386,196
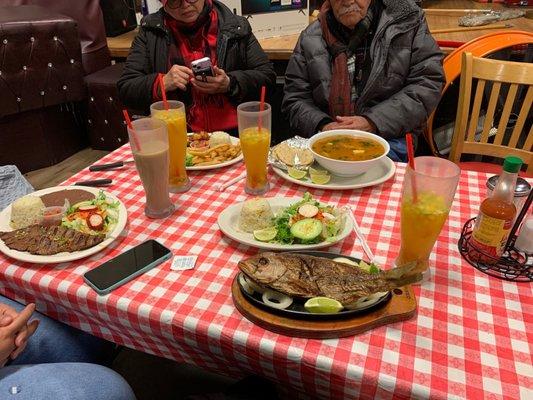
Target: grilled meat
306,276
47,240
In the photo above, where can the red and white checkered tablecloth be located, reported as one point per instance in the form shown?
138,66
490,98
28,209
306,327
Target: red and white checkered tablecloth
472,337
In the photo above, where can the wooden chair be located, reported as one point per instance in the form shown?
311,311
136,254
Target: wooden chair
491,142
482,46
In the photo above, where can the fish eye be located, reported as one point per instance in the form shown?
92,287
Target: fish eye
263,261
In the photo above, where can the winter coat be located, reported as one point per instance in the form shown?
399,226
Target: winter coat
403,86
238,54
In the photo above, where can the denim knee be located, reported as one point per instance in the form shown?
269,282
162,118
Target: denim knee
63,381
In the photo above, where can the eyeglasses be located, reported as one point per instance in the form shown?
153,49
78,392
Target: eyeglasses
179,3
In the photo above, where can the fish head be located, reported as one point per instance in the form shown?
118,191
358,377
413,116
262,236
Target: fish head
264,268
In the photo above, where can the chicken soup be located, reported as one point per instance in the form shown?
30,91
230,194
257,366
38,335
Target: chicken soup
348,148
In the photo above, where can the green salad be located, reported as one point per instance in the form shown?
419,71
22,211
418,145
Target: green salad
94,217
305,222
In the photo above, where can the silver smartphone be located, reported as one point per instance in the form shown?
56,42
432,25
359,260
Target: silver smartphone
126,266
202,68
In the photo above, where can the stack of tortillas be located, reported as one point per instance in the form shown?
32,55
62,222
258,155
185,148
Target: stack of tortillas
292,156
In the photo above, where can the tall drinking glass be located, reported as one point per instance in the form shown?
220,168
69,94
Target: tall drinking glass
254,134
175,119
149,144
427,196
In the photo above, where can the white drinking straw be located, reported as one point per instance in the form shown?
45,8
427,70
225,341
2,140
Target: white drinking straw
360,236
225,185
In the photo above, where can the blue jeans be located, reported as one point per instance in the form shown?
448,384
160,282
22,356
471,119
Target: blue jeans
398,149
57,364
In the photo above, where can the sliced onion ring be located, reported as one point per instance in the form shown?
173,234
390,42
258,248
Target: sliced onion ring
276,299
254,286
245,285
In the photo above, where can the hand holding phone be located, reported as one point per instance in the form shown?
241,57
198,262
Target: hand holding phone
219,83
126,266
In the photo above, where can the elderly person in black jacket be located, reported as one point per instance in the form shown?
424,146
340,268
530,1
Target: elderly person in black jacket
370,65
184,31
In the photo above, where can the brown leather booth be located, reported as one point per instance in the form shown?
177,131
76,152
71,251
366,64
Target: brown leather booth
57,84
41,83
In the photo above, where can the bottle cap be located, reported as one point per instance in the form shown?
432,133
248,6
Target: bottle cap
512,164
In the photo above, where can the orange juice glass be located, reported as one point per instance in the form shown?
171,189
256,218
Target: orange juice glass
254,134
176,122
427,196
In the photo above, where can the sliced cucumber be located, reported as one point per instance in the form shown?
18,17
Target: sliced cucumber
307,229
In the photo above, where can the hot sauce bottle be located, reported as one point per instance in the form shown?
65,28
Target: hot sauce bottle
496,214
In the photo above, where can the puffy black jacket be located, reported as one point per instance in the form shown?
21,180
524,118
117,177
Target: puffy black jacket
238,54
403,86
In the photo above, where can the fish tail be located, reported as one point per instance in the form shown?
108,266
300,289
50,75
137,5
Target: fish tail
406,280
400,272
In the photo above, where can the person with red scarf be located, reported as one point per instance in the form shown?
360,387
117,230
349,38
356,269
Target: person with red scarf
184,31
370,65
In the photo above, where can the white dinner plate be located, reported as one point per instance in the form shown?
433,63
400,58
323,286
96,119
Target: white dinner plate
228,222
5,217
235,160
381,173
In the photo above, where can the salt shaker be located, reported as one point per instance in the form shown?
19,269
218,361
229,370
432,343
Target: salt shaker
524,241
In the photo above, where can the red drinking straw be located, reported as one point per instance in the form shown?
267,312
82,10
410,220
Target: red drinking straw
163,92
133,134
261,107
411,158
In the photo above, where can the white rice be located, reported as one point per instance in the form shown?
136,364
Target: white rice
26,211
255,214
217,138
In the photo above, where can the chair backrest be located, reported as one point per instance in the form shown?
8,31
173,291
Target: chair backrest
492,141
482,46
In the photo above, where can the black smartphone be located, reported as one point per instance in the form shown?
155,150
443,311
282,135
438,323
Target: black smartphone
126,266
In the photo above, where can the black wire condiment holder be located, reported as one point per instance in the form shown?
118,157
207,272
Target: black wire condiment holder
513,265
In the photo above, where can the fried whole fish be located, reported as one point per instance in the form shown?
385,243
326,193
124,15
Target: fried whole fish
300,275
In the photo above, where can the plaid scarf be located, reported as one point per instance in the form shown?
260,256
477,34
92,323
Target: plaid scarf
348,50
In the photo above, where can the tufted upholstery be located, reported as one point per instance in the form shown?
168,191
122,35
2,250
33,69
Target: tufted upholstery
88,15
40,60
41,86
105,124
53,59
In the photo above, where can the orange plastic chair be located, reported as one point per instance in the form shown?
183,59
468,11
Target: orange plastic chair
494,75
479,47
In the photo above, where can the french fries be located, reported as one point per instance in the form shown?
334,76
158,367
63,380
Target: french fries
215,155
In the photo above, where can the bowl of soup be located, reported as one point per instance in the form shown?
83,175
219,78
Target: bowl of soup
346,152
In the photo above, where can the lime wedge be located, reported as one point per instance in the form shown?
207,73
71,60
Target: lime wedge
264,235
318,171
364,266
323,305
296,173
320,179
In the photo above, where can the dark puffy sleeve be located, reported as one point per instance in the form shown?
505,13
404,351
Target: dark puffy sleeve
412,105
298,105
259,72
138,76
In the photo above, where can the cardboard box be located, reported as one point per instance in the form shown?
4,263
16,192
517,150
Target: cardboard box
271,18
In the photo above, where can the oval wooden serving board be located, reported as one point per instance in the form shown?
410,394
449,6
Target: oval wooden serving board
401,306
